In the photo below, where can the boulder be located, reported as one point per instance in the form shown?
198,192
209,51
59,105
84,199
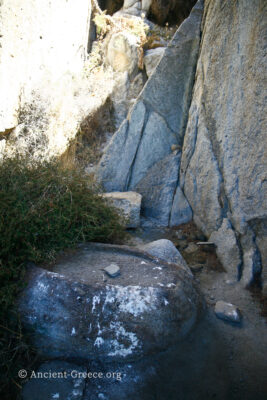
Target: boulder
157,189
122,52
252,260
159,116
224,163
166,251
146,5
130,3
152,58
77,311
136,7
128,204
227,249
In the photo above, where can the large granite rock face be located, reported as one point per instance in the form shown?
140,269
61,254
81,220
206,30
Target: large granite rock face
78,311
224,162
158,118
181,212
158,187
42,51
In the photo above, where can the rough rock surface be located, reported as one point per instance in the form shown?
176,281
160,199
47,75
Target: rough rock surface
68,382
42,50
157,189
98,381
135,7
122,52
77,312
224,163
158,118
125,92
129,204
151,59
128,381
227,249
181,212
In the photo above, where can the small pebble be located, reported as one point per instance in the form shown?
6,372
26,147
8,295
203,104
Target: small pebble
227,312
191,248
175,147
179,234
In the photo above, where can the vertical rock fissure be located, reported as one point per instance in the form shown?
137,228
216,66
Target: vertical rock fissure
129,176
174,192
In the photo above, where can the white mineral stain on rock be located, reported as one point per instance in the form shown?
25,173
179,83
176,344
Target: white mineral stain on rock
78,382
96,300
73,332
122,336
41,286
134,300
99,329
76,393
99,341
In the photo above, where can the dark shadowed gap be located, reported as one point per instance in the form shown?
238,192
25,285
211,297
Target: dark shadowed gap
173,12
111,6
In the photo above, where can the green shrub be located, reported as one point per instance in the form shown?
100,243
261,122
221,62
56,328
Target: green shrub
44,209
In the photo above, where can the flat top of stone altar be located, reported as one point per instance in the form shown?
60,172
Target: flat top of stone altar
87,265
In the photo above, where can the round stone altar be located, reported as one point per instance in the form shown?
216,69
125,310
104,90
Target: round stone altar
77,310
